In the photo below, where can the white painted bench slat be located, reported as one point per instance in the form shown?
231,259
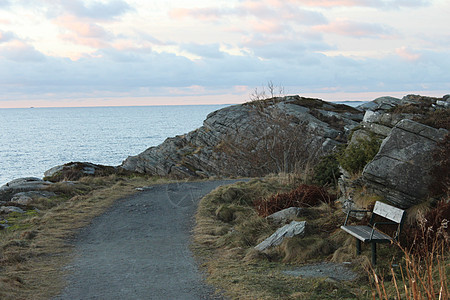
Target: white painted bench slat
389,212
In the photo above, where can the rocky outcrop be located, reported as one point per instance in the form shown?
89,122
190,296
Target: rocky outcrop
400,170
399,173
382,114
27,184
251,139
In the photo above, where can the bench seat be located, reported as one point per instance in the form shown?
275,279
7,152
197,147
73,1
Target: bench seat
363,232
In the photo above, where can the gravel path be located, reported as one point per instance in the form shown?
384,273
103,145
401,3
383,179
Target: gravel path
139,249
334,271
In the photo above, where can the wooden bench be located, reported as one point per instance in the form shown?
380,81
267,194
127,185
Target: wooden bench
369,233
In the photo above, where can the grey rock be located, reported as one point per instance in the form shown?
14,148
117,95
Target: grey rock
26,184
444,104
53,171
10,209
25,198
287,214
289,230
400,169
358,135
377,128
381,103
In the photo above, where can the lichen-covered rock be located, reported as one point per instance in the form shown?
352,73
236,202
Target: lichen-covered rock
251,139
400,170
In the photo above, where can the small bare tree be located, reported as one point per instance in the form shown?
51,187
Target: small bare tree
272,92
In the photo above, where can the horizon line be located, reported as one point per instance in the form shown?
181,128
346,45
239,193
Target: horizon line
222,99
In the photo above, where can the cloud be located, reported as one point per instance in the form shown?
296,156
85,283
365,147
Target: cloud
81,28
382,4
6,36
20,52
357,29
267,10
83,32
111,71
96,9
205,51
207,13
5,3
286,48
408,54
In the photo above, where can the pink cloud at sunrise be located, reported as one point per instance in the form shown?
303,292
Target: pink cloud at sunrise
130,52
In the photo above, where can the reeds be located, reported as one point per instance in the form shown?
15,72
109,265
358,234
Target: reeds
422,273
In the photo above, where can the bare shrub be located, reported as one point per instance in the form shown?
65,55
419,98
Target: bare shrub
270,91
303,196
274,142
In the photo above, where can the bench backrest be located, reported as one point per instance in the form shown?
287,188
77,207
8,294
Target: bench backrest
389,212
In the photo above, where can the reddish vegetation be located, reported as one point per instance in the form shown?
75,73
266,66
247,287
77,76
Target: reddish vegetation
303,196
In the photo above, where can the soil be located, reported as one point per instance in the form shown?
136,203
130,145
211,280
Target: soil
139,249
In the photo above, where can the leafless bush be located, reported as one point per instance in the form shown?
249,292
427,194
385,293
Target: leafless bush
270,91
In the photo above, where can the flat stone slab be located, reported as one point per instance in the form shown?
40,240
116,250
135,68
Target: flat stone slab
334,271
289,230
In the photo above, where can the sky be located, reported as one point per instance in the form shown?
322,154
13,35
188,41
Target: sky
136,52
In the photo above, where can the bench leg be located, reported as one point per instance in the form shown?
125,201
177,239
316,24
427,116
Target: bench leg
358,247
374,253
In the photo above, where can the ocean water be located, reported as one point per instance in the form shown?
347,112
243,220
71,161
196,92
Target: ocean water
33,140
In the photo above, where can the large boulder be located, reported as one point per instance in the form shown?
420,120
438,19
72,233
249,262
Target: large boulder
400,170
251,139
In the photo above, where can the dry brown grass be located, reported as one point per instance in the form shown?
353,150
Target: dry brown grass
228,227
34,250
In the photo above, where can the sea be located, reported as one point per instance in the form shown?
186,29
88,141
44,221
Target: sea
33,140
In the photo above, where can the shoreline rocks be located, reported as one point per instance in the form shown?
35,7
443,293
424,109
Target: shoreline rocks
251,139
